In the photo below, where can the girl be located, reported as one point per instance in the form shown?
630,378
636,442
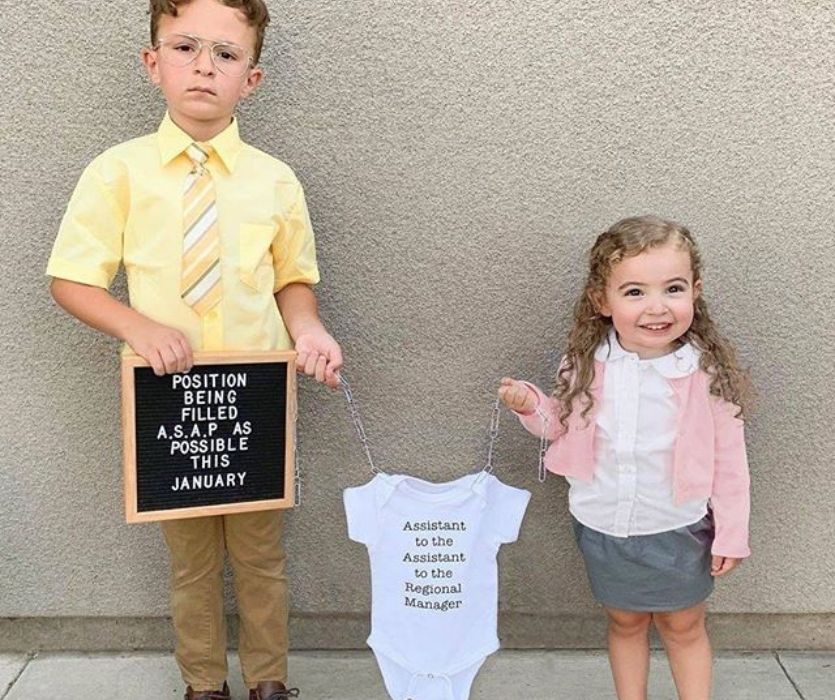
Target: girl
646,420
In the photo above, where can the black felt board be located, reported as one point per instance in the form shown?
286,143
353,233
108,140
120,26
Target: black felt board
162,478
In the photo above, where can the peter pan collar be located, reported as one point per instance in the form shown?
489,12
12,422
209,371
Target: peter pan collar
680,363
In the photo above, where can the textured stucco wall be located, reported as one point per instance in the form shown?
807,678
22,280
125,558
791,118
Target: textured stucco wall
458,158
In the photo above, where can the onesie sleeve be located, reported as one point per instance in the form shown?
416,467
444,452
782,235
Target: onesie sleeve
544,420
361,513
508,505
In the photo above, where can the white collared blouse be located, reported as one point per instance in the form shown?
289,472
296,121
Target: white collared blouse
632,489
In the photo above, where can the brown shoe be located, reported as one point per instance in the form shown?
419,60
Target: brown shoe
222,694
273,690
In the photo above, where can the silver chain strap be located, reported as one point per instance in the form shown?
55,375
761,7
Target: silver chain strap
494,433
357,420
353,408
355,417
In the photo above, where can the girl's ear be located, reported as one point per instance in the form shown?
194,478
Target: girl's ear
697,289
599,303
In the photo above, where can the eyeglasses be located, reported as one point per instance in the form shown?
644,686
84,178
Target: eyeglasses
179,50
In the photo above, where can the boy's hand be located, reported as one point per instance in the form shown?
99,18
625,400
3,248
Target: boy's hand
722,565
166,349
319,356
516,396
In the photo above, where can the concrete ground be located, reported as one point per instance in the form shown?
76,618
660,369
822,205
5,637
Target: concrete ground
517,675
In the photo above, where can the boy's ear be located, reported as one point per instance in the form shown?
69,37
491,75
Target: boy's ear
149,60
253,80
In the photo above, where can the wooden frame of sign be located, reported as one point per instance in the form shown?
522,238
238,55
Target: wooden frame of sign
210,441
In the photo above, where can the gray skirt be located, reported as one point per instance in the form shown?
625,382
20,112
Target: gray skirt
649,573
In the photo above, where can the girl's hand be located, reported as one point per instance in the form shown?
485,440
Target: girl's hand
516,396
722,565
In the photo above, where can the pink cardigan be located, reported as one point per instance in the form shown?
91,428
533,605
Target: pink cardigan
709,459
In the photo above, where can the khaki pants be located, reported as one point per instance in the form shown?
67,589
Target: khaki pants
197,546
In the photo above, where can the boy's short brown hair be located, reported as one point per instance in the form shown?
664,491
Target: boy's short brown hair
256,12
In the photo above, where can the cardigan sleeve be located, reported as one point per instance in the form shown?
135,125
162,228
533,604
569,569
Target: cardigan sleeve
545,418
730,497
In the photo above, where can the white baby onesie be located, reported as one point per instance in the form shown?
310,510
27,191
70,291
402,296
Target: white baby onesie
434,576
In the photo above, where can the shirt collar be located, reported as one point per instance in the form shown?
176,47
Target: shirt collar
680,363
173,141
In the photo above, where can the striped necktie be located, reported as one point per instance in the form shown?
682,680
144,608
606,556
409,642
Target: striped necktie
200,278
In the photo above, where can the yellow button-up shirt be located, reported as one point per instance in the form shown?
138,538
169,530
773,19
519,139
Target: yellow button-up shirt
128,208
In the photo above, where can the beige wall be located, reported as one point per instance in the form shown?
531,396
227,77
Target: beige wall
458,157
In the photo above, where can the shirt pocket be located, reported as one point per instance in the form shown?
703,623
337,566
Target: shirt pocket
254,255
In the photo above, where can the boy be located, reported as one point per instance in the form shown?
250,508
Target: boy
219,254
